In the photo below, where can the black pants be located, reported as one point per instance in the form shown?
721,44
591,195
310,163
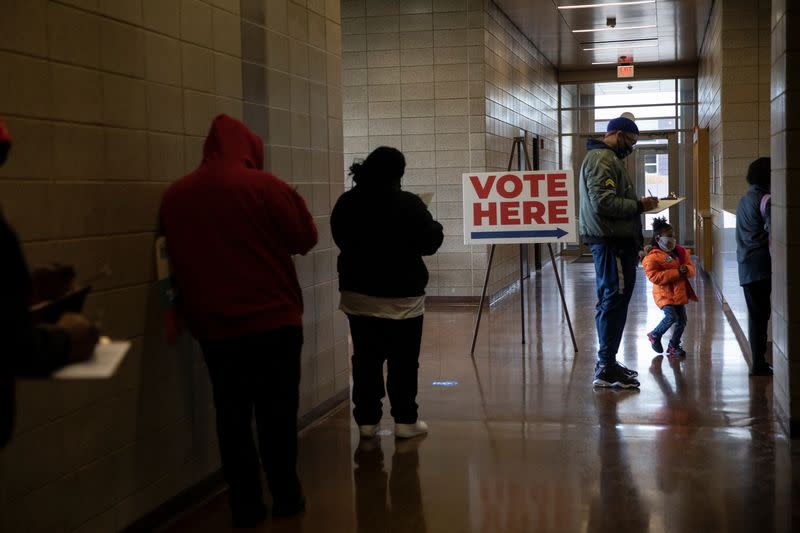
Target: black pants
397,342
258,373
757,296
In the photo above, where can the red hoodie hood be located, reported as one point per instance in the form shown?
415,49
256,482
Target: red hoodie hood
5,137
232,142
5,142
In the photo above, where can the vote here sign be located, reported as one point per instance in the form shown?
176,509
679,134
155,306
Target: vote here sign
519,207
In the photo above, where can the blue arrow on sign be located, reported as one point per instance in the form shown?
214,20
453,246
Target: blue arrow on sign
557,233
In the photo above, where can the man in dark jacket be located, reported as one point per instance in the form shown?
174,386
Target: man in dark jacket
231,230
29,350
383,232
610,223
755,263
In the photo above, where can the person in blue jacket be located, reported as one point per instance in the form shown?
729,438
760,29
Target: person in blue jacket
755,261
610,224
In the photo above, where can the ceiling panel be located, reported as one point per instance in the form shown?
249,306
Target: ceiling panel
664,32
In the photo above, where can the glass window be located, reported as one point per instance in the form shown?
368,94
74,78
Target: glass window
650,163
665,112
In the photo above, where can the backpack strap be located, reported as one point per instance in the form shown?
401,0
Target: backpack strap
763,205
763,209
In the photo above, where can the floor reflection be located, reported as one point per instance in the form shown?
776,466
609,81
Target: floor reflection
618,505
521,442
677,448
398,509
766,513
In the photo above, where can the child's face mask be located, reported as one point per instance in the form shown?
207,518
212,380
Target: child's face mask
666,243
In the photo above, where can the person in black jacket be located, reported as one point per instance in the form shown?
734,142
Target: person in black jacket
755,262
382,233
29,350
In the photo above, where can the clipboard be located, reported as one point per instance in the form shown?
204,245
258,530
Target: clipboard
103,364
665,204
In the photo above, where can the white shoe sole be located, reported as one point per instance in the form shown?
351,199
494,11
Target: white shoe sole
615,385
409,431
367,432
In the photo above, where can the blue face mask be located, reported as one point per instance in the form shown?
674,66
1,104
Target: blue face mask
624,150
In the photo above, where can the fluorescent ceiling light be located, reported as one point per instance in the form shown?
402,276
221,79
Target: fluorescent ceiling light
608,4
619,46
604,63
616,28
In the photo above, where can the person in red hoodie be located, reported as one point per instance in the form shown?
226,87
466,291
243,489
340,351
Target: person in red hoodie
28,349
231,230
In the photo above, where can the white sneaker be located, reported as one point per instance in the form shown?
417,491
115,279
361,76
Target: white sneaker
367,432
407,431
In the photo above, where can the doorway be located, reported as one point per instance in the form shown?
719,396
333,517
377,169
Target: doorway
655,167
665,111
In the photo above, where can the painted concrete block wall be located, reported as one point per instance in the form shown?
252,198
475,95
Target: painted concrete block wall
450,83
108,102
785,96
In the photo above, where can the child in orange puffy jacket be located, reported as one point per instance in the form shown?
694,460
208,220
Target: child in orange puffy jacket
669,267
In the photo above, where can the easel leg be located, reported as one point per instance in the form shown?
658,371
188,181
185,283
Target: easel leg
563,299
521,295
480,306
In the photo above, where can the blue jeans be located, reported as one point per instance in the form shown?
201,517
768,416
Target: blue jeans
615,271
673,314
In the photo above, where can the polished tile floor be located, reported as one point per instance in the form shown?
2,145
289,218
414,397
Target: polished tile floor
520,441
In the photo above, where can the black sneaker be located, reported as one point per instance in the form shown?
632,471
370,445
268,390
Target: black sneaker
655,342
284,508
613,376
249,517
631,372
676,351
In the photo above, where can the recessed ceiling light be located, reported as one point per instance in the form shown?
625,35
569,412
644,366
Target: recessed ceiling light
618,46
607,4
616,28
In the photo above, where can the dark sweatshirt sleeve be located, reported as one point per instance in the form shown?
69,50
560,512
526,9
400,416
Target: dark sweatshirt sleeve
338,220
429,233
28,350
296,221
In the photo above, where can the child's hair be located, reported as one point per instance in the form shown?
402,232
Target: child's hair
659,225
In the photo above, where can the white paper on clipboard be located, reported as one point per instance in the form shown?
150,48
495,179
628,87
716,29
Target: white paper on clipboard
665,204
103,364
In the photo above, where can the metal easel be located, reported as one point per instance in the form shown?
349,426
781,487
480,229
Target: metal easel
521,150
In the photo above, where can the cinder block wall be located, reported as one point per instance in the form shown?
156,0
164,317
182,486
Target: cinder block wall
785,96
521,95
108,101
733,98
450,83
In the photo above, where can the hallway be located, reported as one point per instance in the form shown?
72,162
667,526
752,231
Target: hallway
520,442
